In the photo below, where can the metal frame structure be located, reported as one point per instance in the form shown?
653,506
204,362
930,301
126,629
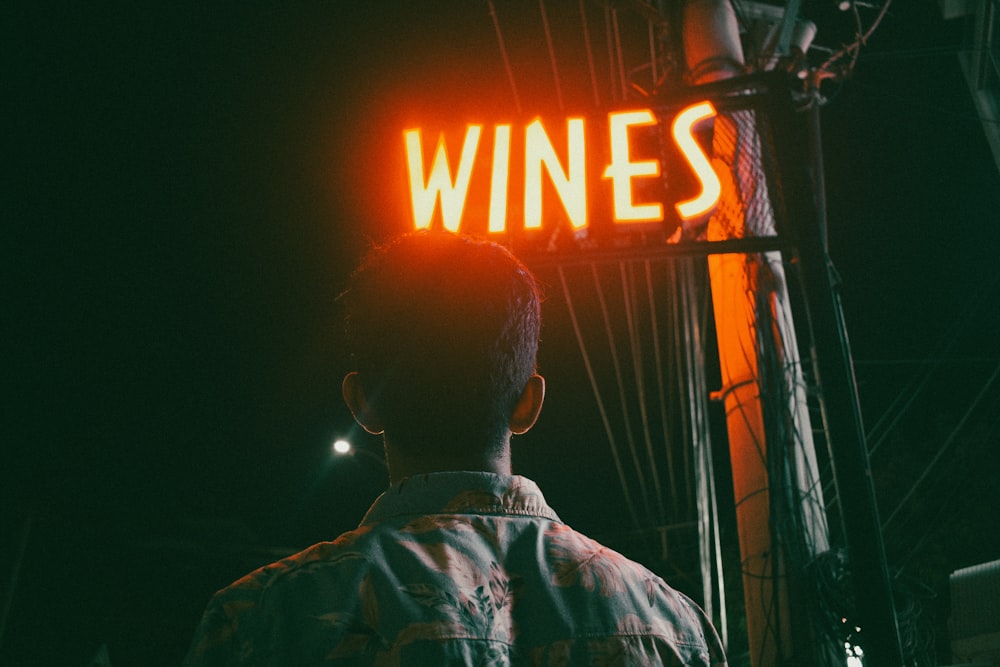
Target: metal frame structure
792,166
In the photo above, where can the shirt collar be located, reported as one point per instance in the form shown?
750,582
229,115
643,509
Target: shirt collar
460,493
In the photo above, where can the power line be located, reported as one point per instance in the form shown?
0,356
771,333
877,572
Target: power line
944,448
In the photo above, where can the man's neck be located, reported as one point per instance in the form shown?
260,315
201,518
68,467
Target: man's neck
402,465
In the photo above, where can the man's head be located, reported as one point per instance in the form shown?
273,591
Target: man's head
443,330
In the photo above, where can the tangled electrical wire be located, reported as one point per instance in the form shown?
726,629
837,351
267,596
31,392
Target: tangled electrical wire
841,63
830,575
811,63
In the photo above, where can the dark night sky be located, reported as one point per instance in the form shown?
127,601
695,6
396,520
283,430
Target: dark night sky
184,189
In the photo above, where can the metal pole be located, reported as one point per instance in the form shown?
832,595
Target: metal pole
876,612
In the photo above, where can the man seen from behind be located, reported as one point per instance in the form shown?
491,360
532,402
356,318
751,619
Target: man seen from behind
459,562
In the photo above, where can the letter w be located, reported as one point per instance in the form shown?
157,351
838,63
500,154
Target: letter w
424,194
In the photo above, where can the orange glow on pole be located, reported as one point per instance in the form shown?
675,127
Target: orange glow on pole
710,187
498,179
621,171
424,195
570,185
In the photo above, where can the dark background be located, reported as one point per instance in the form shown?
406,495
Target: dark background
185,188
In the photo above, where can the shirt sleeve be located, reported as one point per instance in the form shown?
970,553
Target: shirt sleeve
215,641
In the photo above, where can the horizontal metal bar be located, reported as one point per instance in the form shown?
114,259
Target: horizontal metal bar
659,251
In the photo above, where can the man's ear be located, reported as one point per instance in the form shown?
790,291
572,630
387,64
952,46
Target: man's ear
528,406
355,398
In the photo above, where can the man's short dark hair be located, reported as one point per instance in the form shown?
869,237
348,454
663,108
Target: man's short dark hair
443,330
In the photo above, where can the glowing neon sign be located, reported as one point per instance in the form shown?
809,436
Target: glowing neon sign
567,175
711,188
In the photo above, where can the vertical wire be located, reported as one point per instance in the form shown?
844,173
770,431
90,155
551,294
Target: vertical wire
773,457
618,51
616,363
590,55
597,395
750,356
717,541
700,440
609,41
552,54
679,364
661,390
690,366
503,54
723,626
652,58
629,287
713,538
806,481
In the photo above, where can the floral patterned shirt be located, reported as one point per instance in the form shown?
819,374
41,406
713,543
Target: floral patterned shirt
455,568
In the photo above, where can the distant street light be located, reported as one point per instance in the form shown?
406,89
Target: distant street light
343,448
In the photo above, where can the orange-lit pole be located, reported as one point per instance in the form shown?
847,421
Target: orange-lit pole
743,288
706,29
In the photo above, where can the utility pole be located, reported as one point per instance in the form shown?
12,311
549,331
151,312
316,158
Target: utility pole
758,349
873,598
713,52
